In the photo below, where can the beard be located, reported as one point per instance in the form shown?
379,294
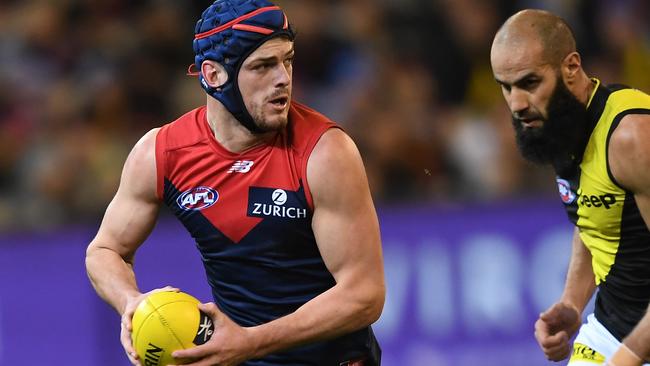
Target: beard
265,124
269,123
561,139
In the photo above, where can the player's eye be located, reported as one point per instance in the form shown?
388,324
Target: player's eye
530,84
261,66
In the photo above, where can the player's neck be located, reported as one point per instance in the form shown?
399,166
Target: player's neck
229,132
585,87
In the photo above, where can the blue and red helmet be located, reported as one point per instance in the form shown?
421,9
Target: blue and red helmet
228,32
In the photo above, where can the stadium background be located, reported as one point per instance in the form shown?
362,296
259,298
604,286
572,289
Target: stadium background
476,242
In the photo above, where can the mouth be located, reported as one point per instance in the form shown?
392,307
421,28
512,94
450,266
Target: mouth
280,102
531,122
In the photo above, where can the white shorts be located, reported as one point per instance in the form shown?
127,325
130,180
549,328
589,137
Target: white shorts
593,345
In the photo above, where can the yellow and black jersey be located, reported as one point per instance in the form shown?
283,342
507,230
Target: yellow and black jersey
607,216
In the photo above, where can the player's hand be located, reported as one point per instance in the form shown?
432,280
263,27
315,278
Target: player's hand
132,303
229,345
554,329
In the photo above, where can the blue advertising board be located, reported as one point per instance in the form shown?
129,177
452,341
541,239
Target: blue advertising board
464,287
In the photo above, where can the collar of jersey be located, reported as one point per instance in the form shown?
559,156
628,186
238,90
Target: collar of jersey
593,92
596,104
252,152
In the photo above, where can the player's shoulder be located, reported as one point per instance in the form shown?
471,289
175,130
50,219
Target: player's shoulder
148,140
629,152
186,130
145,147
303,112
632,132
629,112
139,167
304,118
306,126
625,100
335,171
334,151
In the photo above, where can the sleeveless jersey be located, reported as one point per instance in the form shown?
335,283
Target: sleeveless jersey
250,215
607,216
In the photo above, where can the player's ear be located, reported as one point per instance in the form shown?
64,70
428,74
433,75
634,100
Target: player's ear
570,67
214,73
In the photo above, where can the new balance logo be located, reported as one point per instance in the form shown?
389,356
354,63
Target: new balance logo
241,166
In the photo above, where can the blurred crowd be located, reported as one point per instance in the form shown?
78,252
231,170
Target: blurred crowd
81,81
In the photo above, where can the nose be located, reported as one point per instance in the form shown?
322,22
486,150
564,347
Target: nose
518,101
283,75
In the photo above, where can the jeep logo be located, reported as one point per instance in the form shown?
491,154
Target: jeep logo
606,200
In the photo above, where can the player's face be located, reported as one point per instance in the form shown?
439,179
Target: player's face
548,119
265,81
527,82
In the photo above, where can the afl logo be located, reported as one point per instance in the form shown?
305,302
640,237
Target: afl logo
566,194
198,198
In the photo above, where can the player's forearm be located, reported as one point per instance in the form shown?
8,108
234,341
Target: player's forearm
111,276
638,341
580,284
635,350
335,312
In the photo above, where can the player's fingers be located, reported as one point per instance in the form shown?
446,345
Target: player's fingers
554,347
127,321
558,353
195,353
201,351
134,361
163,289
541,330
552,341
561,316
541,326
212,310
551,314
125,338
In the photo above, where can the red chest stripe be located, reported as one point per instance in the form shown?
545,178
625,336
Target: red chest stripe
235,192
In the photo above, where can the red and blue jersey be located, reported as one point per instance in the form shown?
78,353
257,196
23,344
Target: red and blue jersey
250,215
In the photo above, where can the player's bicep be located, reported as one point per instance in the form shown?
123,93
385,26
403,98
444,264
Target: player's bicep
629,159
132,213
345,222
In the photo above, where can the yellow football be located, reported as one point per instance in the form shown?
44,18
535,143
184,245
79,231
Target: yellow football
165,322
